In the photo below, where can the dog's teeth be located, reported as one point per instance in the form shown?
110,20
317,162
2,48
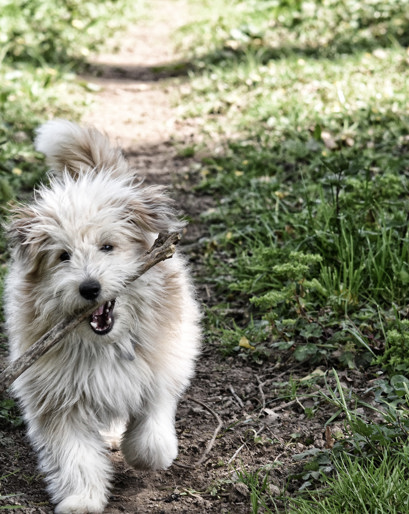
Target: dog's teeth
109,320
94,324
109,305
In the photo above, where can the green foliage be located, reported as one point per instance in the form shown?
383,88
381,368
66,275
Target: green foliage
396,355
307,254
43,32
280,28
318,467
370,440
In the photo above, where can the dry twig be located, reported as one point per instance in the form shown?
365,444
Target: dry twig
256,434
235,396
212,440
162,249
263,398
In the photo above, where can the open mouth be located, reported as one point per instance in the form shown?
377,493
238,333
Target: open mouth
102,319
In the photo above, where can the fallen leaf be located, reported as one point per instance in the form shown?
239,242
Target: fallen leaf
314,374
244,343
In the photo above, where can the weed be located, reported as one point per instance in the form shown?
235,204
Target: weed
395,357
257,484
9,412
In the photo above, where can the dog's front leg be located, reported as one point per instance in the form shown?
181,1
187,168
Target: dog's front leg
149,441
74,460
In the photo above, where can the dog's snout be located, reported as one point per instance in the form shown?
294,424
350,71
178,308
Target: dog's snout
90,289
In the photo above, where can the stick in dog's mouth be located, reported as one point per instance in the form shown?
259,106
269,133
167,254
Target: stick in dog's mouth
102,319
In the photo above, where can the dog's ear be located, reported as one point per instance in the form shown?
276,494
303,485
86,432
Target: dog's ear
151,210
26,236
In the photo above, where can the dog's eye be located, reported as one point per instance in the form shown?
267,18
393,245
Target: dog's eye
106,248
65,256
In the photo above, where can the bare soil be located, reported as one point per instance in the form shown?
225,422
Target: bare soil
135,107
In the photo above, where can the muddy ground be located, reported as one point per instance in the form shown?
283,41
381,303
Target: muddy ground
135,107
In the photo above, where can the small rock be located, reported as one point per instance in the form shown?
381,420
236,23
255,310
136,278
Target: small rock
241,488
274,490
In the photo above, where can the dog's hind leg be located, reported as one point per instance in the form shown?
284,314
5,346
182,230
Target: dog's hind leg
149,441
74,460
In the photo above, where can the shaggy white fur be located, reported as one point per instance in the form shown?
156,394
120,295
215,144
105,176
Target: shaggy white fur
80,239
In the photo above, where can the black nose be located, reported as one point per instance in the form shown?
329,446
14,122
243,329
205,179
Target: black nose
90,289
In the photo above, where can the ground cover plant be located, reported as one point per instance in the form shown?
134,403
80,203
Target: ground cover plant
308,238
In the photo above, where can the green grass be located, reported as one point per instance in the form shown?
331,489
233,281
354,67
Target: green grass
370,464
308,245
370,487
311,223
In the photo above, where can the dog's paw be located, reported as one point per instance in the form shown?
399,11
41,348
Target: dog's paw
150,448
79,505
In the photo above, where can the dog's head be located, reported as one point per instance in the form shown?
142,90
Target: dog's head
82,238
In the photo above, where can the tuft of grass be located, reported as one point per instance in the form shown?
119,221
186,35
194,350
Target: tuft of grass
366,487
368,466
257,484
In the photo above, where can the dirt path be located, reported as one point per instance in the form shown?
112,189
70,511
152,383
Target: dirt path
134,104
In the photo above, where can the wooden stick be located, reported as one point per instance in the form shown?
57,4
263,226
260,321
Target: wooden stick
162,249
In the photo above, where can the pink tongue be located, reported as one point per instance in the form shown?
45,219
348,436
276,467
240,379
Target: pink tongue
99,311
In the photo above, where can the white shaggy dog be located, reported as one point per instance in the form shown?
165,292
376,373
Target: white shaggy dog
80,239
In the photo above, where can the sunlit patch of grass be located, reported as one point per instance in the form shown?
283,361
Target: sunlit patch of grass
41,32
361,487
